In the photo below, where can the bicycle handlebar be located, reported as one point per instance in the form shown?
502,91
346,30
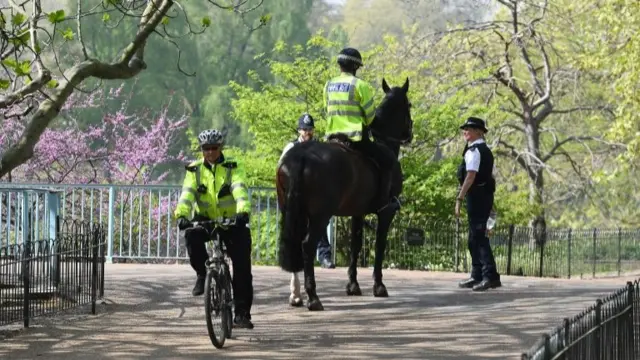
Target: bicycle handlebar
220,221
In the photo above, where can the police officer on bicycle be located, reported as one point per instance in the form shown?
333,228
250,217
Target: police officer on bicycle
214,186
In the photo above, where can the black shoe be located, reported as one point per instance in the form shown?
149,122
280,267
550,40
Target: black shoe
327,264
487,284
468,283
243,322
199,288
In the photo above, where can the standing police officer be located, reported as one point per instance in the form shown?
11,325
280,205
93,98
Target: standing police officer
475,175
305,133
215,185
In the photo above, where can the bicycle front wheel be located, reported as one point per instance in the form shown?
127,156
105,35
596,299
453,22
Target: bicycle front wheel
215,310
228,296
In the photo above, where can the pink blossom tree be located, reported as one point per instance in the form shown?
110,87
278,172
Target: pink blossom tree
89,144
34,35
123,147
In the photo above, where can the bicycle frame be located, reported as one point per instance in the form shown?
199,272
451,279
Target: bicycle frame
217,257
218,271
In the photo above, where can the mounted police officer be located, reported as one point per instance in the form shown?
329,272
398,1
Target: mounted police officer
305,133
215,186
350,110
477,185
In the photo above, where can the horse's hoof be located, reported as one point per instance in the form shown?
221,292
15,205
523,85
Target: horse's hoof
380,291
295,301
315,305
353,289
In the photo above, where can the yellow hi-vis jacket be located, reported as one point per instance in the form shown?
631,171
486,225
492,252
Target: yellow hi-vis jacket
349,104
213,190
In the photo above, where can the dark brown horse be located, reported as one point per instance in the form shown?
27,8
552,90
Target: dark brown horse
318,180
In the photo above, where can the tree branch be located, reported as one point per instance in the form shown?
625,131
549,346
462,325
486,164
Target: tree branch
547,75
130,64
558,144
606,108
514,154
79,26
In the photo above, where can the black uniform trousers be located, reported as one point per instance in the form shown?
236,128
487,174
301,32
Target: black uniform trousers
324,248
238,242
479,205
385,158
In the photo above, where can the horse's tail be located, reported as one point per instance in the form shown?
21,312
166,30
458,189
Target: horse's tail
294,218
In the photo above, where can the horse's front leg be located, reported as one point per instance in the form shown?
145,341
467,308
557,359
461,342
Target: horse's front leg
357,224
384,223
295,299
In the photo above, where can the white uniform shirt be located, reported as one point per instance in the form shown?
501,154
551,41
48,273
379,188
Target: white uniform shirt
472,158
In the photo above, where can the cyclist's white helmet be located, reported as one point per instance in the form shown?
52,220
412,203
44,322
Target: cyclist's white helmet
211,137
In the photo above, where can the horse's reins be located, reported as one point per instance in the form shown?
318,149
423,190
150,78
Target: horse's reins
376,133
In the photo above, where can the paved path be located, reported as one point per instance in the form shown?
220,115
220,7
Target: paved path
149,313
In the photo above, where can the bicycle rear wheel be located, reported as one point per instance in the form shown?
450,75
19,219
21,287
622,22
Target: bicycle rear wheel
215,311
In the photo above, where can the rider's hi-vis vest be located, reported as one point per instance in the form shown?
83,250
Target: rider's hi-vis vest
349,104
213,190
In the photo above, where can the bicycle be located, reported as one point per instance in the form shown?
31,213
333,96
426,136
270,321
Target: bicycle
217,287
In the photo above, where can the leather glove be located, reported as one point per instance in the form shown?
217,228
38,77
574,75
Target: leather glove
183,223
242,219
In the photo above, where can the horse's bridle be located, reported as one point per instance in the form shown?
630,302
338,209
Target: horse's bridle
400,141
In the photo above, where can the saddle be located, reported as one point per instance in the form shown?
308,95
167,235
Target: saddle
341,140
347,146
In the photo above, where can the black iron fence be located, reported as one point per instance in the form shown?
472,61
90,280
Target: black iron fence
609,329
518,250
42,277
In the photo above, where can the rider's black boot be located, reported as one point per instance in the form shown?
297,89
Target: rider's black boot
388,202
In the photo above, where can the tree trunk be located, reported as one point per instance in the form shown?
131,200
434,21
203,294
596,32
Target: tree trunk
536,198
536,185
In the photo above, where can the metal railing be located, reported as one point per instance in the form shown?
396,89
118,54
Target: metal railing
139,219
42,276
140,227
442,246
609,329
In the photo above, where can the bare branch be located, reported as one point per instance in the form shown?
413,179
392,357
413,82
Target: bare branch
236,7
581,139
605,108
514,154
547,76
79,26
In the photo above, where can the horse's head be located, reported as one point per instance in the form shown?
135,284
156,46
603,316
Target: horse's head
393,117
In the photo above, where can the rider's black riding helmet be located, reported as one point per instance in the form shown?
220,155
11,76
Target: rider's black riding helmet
350,59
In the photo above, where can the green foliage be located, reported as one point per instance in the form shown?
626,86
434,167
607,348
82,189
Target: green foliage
613,52
271,111
56,16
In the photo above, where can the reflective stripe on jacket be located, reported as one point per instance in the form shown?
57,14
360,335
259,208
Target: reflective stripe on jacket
222,190
349,104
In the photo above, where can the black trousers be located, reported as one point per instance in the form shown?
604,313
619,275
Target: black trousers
381,154
238,243
483,264
324,248
386,160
